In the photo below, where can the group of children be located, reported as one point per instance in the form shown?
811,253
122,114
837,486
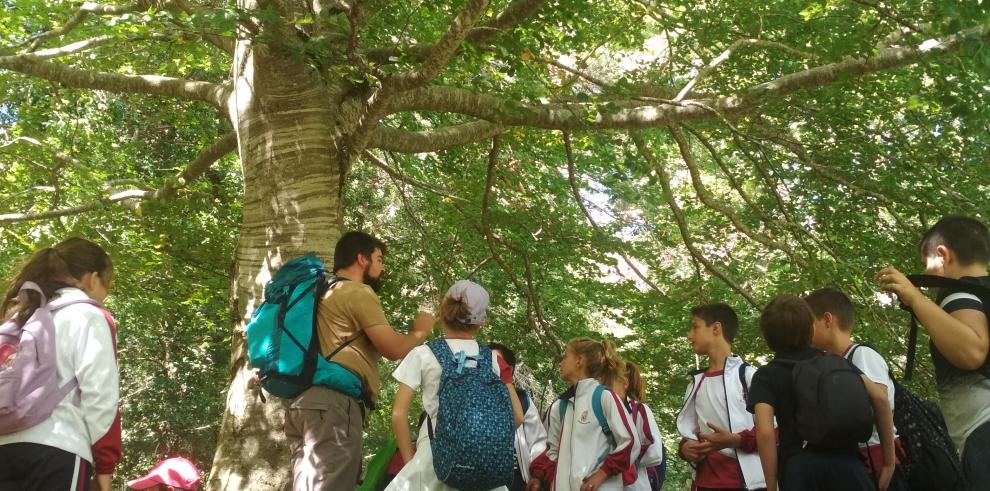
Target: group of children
744,428
598,435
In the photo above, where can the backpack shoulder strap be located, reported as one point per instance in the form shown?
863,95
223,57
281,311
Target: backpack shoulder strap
442,351
325,286
742,380
31,286
485,360
524,400
932,281
596,407
562,407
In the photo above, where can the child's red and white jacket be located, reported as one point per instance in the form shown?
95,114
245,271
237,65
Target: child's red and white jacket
650,443
577,446
740,420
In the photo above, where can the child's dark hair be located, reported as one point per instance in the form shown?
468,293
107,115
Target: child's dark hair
829,299
967,237
507,354
453,312
721,313
52,268
600,358
354,244
787,323
635,379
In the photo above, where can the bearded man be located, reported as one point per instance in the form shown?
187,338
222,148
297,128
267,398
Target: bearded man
325,427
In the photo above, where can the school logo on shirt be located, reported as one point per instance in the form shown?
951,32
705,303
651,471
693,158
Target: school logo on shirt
584,419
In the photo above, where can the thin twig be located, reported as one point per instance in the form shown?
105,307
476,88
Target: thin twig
682,225
377,162
576,192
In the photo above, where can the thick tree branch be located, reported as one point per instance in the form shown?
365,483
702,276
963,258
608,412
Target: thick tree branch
515,13
682,225
734,47
133,197
75,210
77,18
443,51
402,141
637,114
402,177
576,192
377,103
112,82
210,155
224,44
68,49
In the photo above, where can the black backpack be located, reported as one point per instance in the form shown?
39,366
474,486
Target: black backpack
833,407
930,460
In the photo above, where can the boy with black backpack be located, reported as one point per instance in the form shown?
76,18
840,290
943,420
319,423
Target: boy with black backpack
823,406
834,318
956,248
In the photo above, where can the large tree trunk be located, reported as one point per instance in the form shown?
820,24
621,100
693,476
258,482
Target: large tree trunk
288,124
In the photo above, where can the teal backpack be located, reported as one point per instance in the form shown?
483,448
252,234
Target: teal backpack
282,339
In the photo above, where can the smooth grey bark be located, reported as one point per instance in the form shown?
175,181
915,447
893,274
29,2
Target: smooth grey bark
290,126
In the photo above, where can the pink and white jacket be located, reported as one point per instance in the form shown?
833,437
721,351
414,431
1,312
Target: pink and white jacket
651,445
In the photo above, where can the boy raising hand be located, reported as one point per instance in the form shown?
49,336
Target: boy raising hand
956,247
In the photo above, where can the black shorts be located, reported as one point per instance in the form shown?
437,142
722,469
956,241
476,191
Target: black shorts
36,467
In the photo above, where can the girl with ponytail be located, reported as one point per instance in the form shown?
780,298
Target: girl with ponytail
590,439
629,388
83,429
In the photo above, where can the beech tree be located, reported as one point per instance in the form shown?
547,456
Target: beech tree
748,118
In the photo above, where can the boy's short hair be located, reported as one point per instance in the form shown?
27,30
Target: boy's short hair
507,354
354,244
787,323
718,312
967,237
829,299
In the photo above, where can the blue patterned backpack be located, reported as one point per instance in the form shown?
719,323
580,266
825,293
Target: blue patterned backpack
472,438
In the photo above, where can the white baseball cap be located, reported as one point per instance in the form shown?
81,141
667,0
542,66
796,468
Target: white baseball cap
474,296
